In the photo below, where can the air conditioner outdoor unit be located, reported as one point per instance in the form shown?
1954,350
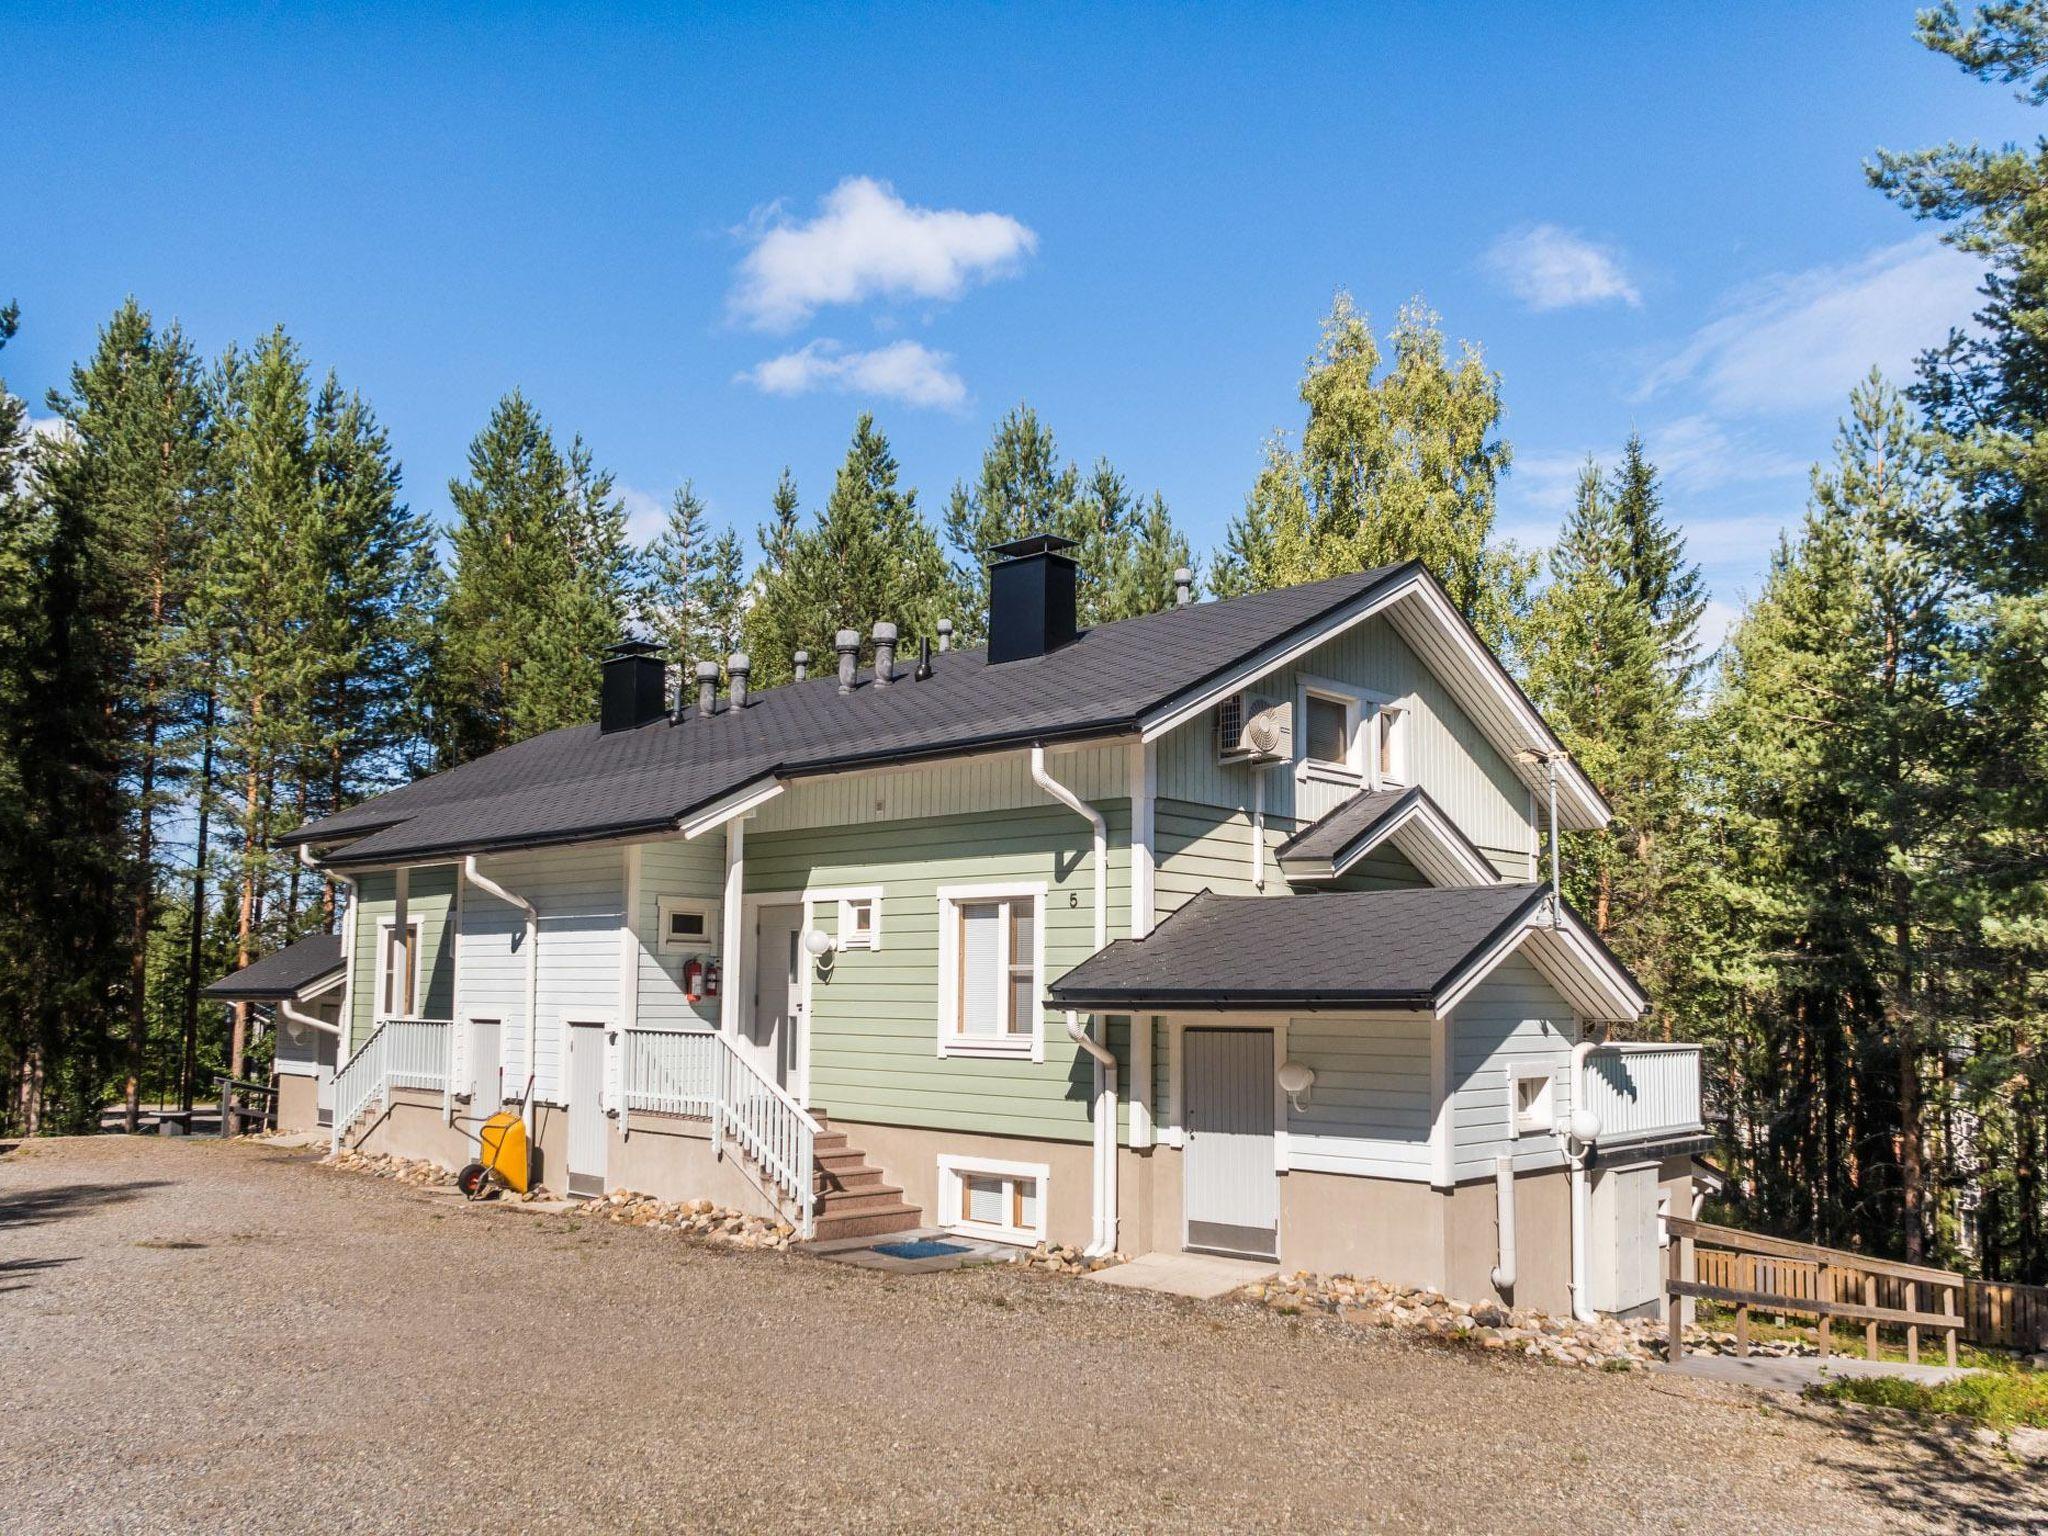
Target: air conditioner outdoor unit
1254,728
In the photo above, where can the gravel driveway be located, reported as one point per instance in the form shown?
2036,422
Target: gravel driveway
191,1332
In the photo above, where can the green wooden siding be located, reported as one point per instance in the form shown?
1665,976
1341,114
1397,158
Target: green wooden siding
874,1022
430,898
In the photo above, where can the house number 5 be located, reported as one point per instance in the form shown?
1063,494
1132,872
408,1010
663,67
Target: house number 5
1073,898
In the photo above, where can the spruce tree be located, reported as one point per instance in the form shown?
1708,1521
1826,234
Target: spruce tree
538,587
870,556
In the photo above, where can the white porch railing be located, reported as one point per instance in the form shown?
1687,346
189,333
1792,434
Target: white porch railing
1644,1092
704,1075
400,1053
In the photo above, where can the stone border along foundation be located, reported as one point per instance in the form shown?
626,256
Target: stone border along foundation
1612,1344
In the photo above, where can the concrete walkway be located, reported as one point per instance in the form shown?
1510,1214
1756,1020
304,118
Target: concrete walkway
1200,1275
1795,1373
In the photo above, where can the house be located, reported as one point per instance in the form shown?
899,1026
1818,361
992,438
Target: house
301,987
1221,928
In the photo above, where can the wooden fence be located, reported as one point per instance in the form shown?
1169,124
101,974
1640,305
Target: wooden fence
1750,1272
2003,1316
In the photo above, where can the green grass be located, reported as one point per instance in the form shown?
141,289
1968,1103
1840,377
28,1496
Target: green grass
1996,1399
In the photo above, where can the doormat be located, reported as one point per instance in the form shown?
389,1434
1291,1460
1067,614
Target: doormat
921,1248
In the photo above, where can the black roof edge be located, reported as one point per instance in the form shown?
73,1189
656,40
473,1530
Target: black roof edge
1227,1002
1410,793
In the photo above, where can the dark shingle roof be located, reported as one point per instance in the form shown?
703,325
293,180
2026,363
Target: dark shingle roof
578,783
1331,834
1396,949
285,974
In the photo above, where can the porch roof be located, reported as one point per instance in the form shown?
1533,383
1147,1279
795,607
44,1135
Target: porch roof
288,972
1419,949
1409,820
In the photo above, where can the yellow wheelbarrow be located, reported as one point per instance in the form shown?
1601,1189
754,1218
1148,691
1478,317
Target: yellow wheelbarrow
504,1158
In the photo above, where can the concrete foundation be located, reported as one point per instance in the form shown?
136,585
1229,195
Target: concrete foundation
298,1107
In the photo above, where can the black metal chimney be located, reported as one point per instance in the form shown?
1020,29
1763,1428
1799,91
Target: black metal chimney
1031,591
635,686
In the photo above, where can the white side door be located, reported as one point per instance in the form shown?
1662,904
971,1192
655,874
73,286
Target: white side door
1232,1192
587,1139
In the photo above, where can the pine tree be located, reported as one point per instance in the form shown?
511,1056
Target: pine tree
1395,465
537,590
67,648
1664,582
871,556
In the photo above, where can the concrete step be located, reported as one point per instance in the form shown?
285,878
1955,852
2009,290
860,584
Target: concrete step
898,1218
859,1176
856,1202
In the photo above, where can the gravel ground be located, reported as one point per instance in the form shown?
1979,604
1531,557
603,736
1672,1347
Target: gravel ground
189,1331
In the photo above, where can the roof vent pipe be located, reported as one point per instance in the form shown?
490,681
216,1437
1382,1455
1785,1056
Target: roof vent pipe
945,634
924,659
1183,587
707,689
848,644
885,653
803,665
737,666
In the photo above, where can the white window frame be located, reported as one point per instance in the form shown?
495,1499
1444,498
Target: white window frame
952,1204
1543,1123
1387,727
1352,769
848,899
387,927
668,906
1015,1046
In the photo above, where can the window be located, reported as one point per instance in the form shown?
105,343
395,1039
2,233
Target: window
398,971
991,970
687,926
1390,744
860,919
1328,723
982,1198
1532,1115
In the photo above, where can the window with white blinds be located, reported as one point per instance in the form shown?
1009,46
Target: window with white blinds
992,963
984,1198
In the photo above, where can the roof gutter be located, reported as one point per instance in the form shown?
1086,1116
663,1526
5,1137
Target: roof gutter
1104,1240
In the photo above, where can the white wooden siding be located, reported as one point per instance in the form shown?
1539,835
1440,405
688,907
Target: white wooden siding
1368,1111
1512,1019
580,894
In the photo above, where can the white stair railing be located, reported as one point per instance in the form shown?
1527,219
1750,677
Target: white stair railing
770,1127
400,1053
704,1075
358,1082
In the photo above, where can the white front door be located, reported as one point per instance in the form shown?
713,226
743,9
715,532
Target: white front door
773,1021
324,1048
586,1109
1231,1191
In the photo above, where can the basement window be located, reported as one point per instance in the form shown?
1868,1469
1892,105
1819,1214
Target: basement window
979,1197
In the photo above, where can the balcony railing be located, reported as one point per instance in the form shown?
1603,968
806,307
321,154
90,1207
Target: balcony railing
1644,1092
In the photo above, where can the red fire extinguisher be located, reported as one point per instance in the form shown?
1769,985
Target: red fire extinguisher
693,979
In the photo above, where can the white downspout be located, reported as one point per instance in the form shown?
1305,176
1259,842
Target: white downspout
1580,1134
1105,1060
284,1006
1504,1201
490,887
345,1034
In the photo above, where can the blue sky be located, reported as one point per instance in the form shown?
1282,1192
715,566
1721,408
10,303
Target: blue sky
706,239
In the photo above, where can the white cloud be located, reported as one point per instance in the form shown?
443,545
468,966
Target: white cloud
646,513
866,242
1803,339
1699,453
902,370
1549,267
